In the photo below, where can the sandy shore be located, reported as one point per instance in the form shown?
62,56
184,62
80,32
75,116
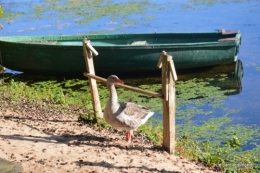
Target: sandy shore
50,141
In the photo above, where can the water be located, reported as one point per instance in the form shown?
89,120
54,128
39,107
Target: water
166,16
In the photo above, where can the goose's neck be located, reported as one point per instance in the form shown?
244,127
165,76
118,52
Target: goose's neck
113,99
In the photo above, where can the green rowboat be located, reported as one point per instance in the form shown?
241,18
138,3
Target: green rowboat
62,55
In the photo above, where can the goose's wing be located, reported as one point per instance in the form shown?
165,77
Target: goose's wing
135,110
133,115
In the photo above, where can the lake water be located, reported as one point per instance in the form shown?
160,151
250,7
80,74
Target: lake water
243,107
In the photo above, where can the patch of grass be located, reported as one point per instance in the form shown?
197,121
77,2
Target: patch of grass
1,11
196,4
69,10
152,130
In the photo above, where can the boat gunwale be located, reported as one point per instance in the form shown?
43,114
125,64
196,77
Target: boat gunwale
148,46
39,40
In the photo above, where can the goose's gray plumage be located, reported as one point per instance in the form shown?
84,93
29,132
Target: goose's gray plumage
124,116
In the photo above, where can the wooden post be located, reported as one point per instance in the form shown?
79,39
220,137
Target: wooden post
88,50
168,88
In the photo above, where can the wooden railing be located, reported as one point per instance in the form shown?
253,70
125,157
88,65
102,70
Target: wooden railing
169,77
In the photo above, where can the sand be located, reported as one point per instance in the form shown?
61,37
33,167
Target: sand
43,140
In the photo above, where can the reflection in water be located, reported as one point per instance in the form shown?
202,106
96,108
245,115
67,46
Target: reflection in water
195,88
226,76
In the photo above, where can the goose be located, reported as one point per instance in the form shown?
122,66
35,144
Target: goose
126,116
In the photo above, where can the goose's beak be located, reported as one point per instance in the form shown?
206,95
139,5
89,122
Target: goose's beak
119,81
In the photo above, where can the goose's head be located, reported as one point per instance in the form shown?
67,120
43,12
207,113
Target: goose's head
113,79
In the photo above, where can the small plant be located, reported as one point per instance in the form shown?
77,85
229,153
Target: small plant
233,142
151,132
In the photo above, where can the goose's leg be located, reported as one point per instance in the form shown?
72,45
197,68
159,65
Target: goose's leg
129,136
132,133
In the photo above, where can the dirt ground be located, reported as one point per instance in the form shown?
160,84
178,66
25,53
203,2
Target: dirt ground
51,141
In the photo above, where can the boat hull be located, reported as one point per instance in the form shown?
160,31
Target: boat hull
63,54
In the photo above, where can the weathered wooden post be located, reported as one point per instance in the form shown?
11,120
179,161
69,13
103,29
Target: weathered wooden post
88,52
168,88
